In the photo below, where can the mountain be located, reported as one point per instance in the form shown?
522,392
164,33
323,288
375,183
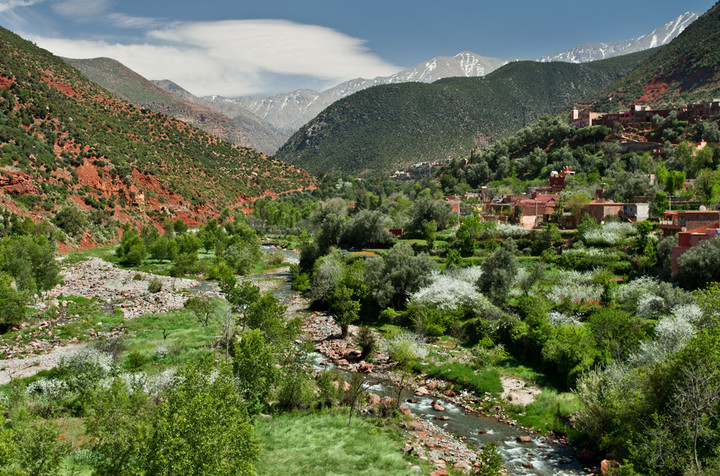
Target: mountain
684,71
261,134
245,130
293,110
290,111
386,127
596,51
65,140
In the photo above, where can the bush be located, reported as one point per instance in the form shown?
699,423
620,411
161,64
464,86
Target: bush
155,285
366,341
136,360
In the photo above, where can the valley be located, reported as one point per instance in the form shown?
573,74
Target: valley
477,266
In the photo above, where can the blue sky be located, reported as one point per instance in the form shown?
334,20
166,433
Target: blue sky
237,48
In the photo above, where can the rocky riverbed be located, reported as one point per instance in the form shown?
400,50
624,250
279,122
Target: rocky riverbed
123,288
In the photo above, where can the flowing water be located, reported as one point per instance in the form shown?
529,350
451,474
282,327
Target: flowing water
541,456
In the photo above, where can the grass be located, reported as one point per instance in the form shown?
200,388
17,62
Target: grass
550,412
322,444
480,380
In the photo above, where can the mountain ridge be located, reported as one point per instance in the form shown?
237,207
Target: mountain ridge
385,127
292,110
65,141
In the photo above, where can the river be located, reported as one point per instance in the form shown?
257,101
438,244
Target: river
541,456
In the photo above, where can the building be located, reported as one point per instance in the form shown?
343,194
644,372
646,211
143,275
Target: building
688,239
600,209
681,221
636,211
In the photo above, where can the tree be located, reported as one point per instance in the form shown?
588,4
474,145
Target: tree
13,303
675,181
367,229
202,427
71,220
392,278
576,204
121,422
240,296
345,308
699,265
132,248
425,210
202,307
429,234
268,315
498,272
254,367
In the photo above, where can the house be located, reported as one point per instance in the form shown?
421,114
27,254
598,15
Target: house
675,222
600,209
636,211
688,239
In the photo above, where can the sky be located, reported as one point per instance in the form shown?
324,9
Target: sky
240,48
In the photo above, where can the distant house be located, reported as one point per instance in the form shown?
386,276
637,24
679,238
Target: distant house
636,211
688,239
681,221
600,209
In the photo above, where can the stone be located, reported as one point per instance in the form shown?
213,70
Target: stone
437,407
607,465
404,410
373,399
523,439
415,469
439,472
421,391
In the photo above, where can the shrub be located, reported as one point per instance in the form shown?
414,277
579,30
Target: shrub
135,360
155,285
366,341
406,348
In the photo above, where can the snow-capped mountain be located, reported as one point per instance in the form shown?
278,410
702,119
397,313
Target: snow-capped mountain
293,110
596,51
290,111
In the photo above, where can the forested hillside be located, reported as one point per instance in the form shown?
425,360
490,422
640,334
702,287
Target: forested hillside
120,80
387,127
68,143
684,71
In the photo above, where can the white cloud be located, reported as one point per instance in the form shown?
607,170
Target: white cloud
81,9
236,57
126,21
7,5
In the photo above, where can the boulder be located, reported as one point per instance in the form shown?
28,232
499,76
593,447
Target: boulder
523,439
421,391
437,407
404,410
607,465
373,399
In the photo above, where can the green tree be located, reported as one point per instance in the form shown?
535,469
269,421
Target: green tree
121,422
267,314
71,220
202,427
392,278
425,210
131,250
699,265
202,307
254,367
13,303
498,272
345,308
